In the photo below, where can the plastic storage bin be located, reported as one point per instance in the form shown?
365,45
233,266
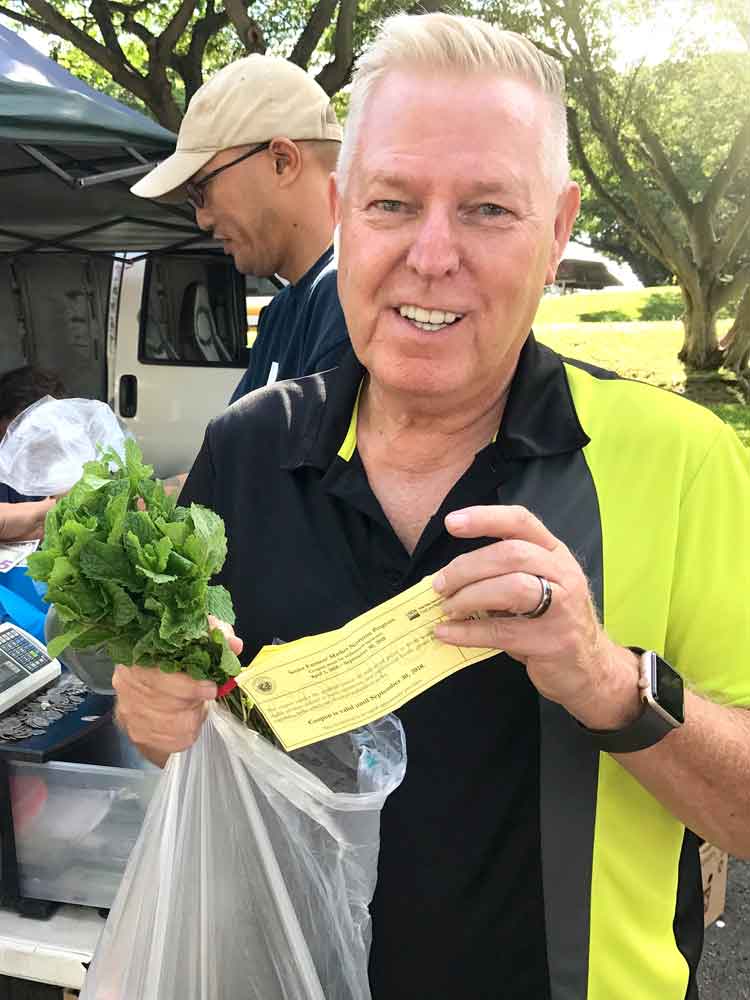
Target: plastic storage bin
75,826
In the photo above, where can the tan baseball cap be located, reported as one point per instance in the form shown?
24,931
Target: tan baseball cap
249,101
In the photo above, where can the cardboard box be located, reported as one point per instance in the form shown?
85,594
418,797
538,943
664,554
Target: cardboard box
714,864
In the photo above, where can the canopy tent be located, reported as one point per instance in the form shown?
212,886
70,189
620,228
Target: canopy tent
67,157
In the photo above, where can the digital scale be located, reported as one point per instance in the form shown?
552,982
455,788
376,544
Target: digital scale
25,666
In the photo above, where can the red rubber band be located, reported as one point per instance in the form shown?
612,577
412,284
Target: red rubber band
230,685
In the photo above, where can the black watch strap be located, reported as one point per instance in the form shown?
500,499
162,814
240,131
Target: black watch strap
645,731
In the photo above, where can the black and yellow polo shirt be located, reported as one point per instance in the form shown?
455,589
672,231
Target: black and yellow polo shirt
516,862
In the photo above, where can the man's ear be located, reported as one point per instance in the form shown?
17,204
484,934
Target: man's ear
287,160
568,203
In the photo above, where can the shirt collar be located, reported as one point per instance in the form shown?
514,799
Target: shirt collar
539,420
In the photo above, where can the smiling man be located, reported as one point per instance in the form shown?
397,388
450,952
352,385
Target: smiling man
580,524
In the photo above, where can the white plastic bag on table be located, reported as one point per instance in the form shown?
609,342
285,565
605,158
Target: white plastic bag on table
253,872
45,447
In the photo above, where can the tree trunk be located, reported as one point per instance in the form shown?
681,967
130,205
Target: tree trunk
700,348
736,342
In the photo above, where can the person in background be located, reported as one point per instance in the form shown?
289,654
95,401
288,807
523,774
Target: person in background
22,517
254,154
543,843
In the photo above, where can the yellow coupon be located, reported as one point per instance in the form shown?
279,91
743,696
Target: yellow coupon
331,683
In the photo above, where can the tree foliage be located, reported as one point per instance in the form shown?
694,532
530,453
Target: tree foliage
157,53
667,150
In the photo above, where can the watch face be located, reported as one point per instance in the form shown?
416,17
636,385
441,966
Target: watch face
667,690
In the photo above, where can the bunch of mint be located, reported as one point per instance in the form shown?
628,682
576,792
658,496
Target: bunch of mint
127,571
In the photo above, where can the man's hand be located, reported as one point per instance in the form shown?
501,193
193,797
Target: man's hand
568,656
163,713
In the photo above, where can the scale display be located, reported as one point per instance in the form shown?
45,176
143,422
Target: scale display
24,666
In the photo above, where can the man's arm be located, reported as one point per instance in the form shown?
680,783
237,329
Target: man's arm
20,522
700,772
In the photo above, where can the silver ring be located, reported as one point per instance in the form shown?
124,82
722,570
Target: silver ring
544,601
542,607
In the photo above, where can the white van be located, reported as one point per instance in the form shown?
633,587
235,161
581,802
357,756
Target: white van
164,338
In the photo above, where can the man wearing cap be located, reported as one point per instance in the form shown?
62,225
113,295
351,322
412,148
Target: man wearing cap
254,153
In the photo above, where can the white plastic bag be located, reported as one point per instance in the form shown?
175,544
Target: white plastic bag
254,870
45,447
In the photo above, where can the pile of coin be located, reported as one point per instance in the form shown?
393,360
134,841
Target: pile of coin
34,715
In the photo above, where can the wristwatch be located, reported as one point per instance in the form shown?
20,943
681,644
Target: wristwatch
663,698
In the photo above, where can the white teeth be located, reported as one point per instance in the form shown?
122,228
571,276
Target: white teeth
430,327
431,317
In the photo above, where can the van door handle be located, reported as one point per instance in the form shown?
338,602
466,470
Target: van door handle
128,395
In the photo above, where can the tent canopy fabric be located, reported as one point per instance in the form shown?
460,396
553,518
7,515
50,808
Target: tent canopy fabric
57,136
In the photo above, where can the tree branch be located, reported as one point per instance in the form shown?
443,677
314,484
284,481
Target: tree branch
317,23
103,17
724,293
167,40
727,171
666,176
617,207
335,74
119,70
726,246
190,65
249,30
671,252
23,19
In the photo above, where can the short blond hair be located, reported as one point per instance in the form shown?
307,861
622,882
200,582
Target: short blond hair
465,45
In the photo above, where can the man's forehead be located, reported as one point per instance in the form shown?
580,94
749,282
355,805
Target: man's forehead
480,114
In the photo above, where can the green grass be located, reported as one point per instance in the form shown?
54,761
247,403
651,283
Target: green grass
646,351
624,305
630,302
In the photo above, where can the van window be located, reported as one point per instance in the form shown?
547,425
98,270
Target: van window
194,312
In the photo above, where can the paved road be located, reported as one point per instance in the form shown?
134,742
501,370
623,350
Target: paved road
725,969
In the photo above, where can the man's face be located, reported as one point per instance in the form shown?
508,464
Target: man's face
449,231
239,209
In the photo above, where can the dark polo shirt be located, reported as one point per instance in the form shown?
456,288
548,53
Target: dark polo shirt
301,331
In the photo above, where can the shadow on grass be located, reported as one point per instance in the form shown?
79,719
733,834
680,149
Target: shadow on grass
712,388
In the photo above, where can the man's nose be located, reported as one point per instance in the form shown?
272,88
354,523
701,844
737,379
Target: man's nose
434,252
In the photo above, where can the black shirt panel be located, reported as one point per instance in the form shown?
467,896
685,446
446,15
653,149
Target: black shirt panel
302,329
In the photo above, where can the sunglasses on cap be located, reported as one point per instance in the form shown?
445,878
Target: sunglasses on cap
195,189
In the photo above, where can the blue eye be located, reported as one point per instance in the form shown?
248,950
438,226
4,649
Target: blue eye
491,210
389,205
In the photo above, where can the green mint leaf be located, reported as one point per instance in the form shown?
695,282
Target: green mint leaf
220,604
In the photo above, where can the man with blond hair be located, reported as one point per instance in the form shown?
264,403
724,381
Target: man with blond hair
580,524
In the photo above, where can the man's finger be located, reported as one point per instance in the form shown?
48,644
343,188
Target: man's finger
233,641
499,521
516,593
495,560
150,682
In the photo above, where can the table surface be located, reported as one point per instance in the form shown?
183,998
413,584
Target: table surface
52,951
